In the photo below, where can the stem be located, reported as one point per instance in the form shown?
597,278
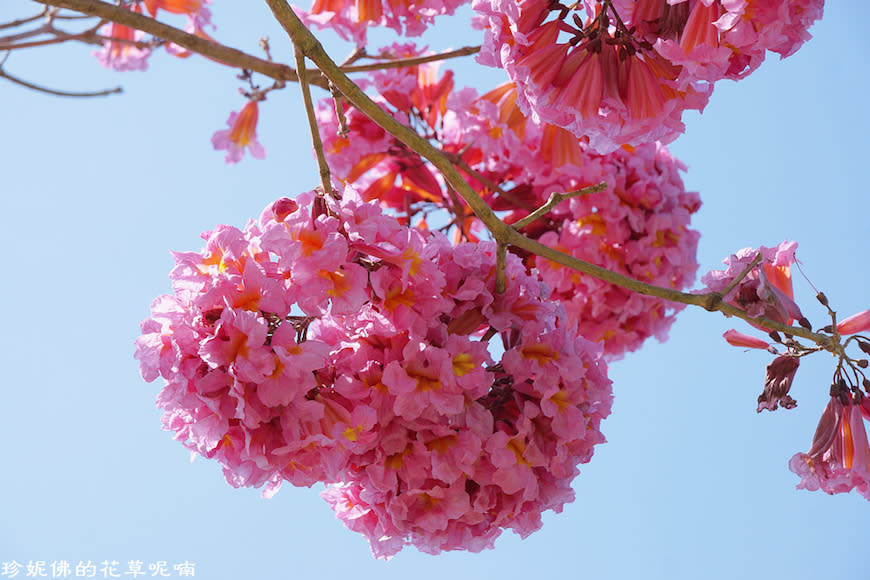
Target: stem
500,266
733,284
555,199
23,21
213,50
403,62
312,123
55,92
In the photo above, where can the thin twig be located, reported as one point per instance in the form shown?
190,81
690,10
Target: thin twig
412,61
733,283
500,267
23,21
339,111
56,92
555,199
323,167
358,53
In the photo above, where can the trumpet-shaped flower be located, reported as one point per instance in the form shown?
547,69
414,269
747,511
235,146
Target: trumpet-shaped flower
120,50
839,458
859,322
241,135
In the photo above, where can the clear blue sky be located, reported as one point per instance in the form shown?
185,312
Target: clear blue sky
692,483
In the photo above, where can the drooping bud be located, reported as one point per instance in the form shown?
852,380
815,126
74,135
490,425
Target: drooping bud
822,298
780,375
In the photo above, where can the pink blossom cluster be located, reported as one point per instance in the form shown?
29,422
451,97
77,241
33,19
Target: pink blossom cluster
624,72
325,342
351,19
638,226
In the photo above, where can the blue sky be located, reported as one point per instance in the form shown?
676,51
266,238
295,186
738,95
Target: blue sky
692,483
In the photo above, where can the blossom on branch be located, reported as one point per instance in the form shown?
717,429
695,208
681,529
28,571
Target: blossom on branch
839,458
326,342
242,134
351,19
766,289
639,226
195,9
120,50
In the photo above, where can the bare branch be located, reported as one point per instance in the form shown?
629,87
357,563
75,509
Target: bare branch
57,93
555,199
403,62
23,21
325,179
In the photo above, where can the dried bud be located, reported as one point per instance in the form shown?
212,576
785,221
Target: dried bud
865,346
780,375
863,363
775,337
805,323
822,298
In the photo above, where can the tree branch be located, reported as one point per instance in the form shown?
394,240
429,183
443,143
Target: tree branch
213,50
555,199
325,179
57,93
403,62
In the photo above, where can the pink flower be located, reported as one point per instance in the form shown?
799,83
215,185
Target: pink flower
241,134
859,322
766,291
194,8
623,72
839,459
735,338
120,51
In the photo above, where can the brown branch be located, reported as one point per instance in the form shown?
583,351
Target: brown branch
500,268
555,199
325,179
207,48
41,89
403,62
23,21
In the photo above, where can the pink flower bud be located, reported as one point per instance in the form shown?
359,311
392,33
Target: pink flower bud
735,338
856,323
